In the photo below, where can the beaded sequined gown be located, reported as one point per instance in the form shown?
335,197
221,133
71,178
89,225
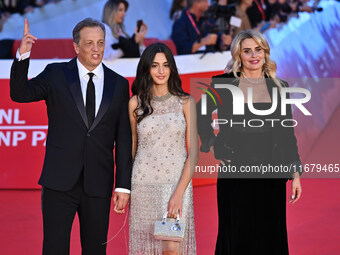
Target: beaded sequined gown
161,154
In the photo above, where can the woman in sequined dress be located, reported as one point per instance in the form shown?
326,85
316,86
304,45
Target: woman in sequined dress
163,119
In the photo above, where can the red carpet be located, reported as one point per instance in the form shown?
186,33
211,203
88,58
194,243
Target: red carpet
313,222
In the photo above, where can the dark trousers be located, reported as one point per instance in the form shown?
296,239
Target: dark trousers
59,209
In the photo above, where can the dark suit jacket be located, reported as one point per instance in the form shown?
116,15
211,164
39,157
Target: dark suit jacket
71,145
285,150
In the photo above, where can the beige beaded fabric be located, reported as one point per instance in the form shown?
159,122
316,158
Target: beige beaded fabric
161,154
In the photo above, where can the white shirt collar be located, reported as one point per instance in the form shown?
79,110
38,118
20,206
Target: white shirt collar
98,71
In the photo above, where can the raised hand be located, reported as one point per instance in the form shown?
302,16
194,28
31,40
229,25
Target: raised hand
139,36
27,39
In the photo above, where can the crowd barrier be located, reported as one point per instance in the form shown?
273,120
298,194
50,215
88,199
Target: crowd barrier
63,48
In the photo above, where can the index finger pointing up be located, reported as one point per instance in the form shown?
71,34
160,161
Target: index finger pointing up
26,28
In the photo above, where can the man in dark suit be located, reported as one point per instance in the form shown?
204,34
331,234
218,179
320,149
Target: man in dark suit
87,107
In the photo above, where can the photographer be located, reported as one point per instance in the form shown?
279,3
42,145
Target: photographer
241,8
222,12
191,32
117,42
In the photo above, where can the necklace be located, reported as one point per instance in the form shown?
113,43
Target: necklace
161,98
254,82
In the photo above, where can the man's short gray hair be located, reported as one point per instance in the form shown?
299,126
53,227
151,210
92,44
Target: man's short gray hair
88,22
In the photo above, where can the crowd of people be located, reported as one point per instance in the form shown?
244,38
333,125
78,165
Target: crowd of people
198,25
9,7
195,22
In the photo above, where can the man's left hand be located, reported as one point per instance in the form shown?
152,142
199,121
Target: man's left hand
120,200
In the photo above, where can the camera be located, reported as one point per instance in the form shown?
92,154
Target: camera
221,14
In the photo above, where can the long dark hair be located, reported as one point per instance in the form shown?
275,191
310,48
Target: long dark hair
176,6
142,85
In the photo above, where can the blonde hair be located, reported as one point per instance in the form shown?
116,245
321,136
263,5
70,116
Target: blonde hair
235,64
109,12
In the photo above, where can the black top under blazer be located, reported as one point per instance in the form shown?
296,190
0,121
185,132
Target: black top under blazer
72,146
285,150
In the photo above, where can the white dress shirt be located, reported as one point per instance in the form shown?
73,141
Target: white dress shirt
98,81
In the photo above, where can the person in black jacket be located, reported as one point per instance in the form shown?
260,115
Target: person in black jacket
87,107
251,208
192,33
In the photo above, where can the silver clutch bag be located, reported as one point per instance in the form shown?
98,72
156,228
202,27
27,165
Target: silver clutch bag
169,230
